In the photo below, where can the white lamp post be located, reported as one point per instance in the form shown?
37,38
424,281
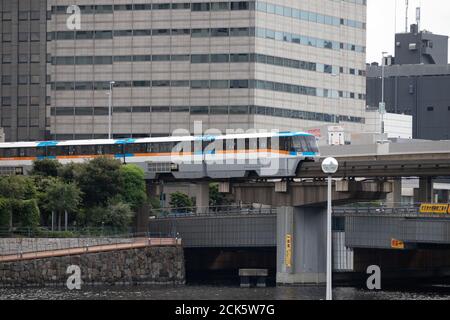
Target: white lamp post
329,166
111,84
382,107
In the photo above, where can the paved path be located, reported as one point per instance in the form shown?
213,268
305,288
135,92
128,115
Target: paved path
138,243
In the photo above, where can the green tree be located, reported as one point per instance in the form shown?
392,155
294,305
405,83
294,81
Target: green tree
133,189
62,197
5,213
46,167
17,187
216,198
117,216
180,200
100,181
71,172
27,213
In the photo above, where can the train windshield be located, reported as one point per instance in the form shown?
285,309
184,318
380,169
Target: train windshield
305,144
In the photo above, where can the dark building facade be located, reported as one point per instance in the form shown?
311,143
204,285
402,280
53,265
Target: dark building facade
23,54
417,83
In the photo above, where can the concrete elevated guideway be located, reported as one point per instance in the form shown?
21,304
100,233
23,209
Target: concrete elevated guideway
301,211
389,160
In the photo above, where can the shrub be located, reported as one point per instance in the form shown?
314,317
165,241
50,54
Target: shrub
5,213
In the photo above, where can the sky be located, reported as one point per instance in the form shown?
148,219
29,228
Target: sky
382,24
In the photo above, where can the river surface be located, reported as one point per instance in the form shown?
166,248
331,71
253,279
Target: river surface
208,292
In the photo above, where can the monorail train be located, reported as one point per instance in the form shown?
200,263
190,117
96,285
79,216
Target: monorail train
272,154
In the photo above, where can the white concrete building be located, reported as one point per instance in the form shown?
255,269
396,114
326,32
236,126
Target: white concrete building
273,64
396,126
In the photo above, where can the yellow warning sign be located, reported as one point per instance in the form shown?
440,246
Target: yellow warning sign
397,244
288,254
434,208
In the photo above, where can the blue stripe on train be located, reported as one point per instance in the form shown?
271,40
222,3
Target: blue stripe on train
125,141
47,144
127,155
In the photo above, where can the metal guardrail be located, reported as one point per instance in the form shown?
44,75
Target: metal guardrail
21,245
165,213
124,244
71,232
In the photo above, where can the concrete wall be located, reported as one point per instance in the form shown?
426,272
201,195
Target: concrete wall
151,265
221,231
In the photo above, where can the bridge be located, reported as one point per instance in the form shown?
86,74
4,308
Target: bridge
366,172
398,239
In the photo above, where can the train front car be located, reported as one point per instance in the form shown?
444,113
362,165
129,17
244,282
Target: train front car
294,149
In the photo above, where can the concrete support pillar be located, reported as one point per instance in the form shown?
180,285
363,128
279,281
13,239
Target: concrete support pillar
202,197
425,192
301,245
394,198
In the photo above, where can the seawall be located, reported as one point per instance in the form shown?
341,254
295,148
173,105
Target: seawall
149,265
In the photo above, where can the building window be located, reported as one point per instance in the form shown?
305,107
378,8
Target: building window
23,15
35,58
430,109
22,79
6,37
6,58
23,58
6,101
35,36
35,79
6,79
23,36
6,16
22,101
35,15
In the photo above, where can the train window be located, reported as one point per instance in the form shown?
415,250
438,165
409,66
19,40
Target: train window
52,151
305,144
165,147
286,143
41,152
29,152
252,144
138,148
85,150
11,152
264,143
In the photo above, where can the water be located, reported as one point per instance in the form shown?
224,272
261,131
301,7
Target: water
209,292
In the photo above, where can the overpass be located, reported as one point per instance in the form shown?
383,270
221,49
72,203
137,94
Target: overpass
365,173
361,237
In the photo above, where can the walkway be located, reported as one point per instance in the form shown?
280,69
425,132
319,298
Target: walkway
136,244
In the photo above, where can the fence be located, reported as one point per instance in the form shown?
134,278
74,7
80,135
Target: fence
19,244
213,211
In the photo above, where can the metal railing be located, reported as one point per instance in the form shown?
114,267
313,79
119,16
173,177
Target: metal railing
21,245
71,232
164,213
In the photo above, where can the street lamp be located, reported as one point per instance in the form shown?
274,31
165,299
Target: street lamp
329,166
382,107
336,117
111,84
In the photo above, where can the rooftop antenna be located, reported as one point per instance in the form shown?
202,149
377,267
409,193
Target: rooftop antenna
406,24
418,18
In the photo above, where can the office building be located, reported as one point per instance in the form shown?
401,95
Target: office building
23,69
417,82
272,64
